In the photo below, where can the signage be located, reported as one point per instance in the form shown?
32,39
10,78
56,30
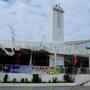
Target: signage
31,69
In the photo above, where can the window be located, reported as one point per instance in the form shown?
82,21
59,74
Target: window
40,60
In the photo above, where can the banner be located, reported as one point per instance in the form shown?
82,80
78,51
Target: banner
31,69
25,69
14,68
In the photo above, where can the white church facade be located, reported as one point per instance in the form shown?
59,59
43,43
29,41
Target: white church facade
42,56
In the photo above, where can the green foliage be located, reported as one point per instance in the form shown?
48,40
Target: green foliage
69,67
14,80
49,81
55,80
69,70
36,79
67,78
26,80
22,80
5,79
83,71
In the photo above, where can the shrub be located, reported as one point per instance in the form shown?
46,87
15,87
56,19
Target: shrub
14,80
55,80
49,81
5,79
22,80
67,78
83,70
26,80
36,79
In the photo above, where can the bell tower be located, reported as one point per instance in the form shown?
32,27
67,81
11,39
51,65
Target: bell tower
57,34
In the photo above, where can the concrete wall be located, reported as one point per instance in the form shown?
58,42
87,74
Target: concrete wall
82,78
58,62
51,60
19,76
57,34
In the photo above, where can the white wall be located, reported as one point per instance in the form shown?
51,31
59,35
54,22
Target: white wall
15,75
59,60
19,76
51,60
82,78
57,25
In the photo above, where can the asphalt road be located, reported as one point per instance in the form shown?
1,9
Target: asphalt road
45,88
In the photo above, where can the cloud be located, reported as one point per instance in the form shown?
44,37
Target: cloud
29,18
77,20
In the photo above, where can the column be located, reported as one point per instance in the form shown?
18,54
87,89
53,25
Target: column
89,62
30,59
55,59
51,60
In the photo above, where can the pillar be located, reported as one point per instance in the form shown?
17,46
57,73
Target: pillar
89,62
30,59
55,59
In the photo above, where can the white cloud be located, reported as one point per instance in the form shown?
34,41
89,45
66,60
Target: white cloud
30,18
77,20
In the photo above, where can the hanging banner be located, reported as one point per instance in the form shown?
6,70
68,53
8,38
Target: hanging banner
74,59
25,69
54,71
31,69
14,68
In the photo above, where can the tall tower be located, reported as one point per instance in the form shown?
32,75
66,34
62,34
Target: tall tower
57,34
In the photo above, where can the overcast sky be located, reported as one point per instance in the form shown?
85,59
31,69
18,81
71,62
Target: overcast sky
31,19
77,19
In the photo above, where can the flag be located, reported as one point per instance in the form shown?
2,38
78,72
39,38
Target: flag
13,34
74,59
13,39
12,31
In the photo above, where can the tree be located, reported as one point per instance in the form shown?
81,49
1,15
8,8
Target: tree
5,78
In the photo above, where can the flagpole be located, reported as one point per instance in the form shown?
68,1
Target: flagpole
55,57
55,60
30,59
